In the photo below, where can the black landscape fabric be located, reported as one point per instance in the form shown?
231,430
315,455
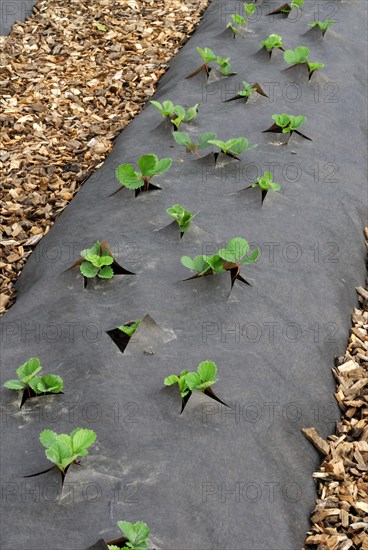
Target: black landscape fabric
12,11
214,477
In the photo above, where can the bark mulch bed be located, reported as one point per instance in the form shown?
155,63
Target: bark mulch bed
72,77
340,518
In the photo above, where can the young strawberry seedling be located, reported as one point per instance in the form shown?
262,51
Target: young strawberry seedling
249,10
274,41
287,124
285,9
208,56
181,216
247,91
64,449
182,138
229,258
122,335
149,165
135,536
266,184
236,24
33,385
232,147
202,380
97,263
300,56
176,113
323,25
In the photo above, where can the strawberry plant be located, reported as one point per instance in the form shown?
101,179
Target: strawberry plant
323,25
31,384
64,449
208,56
130,328
149,165
236,24
232,147
182,138
229,258
293,4
272,42
175,113
136,536
249,10
265,184
202,380
97,262
300,55
287,124
181,216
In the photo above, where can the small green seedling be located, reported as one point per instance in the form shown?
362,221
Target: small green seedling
249,10
247,90
140,181
182,138
176,113
181,216
97,262
181,380
272,42
204,378
64,449
300,55
237,22
208,56
29,382
130,329
323,25
293,4
229,258
288,123
265,183
232,147
137,535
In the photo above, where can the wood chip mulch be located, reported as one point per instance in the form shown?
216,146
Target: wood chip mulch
72,77
340,518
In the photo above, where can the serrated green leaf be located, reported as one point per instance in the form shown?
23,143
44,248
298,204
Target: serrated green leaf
299,55
88,270
314,66
48,438
81,439
14,385
191,113
251,258
273,41
206,54
215,262
29,369
137,534
207,371
198,263
235,250
204,140
182,138
128,177
163,165
49,383
166,109
170,380
193,380
147,165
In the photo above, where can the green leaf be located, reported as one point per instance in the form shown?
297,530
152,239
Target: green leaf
204,140
128,177
216,263
81,439
101,27
166,109
247,90
314,66
234,146
297,3
323,25
235,250
249,9
14,385
299,55
251,258
281,120
137,534
296,121
129,330
196,264
29,369
88,270
147,165
106,273
191,113
113,547
49,383
193,380
163,165
207,371
238,19
95,250
182,138
170,380
206,54
48,438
